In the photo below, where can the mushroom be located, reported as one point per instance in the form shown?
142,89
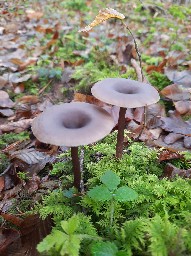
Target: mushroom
124,93
73,124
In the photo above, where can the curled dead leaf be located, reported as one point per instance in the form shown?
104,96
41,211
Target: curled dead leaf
176,92
103,15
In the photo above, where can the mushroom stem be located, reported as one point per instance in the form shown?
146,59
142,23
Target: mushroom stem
76,167
120,135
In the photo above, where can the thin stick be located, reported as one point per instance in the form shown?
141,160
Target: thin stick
76,167
120,135
136,48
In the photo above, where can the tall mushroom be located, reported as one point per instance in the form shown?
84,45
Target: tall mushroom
124,93
72,124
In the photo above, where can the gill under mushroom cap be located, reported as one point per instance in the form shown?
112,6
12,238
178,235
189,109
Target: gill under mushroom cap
72,124
125,93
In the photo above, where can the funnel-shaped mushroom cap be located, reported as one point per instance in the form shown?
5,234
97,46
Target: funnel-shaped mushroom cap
125,93
72,124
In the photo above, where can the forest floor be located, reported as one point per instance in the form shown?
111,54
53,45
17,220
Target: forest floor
45,60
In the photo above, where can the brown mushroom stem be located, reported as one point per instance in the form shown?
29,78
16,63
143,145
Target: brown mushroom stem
76,167
120,135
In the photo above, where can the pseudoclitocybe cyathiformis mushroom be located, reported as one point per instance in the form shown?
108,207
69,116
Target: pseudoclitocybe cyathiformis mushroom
124,93
72,124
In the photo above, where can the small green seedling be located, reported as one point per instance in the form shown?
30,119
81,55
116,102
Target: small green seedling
109,191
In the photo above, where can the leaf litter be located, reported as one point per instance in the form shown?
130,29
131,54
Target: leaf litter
29,36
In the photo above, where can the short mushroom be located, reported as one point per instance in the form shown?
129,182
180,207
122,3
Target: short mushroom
124,93
73,124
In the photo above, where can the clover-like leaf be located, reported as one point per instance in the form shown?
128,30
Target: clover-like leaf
100,193
125,193
111,180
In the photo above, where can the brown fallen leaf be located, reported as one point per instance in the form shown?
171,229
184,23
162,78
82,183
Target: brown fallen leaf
172,137
3,82
171,171
176,92
169,155
5,101
32,99
9,240
176,146
179,77
6,112
159,68
174,123
32,14
88,98
183,107
17,127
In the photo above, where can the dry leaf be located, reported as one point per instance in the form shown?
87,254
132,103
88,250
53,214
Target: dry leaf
174,123
172,137
176,92
172,171
168,155
18,126
179,77
183,107
103,15
5,102
6,112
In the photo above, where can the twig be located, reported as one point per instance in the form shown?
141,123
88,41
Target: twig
137,68
137,49
44,88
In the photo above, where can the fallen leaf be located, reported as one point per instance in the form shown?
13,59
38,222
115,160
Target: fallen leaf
183,107
174,123
3,82
32,14
6,112
17,127
187,142
169,155
88,98
179,77
159,68
172,137
5,101
176,146
9,239
176,92
171,171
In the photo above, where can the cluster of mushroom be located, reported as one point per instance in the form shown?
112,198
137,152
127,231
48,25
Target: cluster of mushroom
75,124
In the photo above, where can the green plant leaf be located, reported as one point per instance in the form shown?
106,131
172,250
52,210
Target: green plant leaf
70,225
100,193
104,249
56,238
110,179
125,193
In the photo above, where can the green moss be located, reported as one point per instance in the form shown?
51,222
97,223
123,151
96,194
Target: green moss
158,80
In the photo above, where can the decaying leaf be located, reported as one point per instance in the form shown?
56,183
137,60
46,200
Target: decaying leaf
153,113
88,98
168,155
179,77
17,127
172,137
103,15
176,146
9,239
183,107
176,92
6,112
171,171
5,101
174,123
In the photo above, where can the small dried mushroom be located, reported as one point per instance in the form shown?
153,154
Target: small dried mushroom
124,93
72,124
